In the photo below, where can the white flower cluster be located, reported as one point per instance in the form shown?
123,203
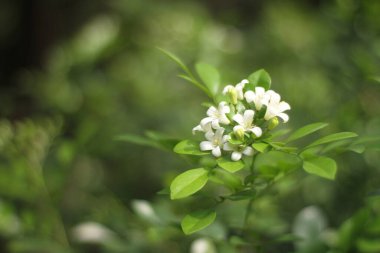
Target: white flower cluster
236,124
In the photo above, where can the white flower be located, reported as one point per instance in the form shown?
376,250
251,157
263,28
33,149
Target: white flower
245,122
214,142
276,107
204,126
259,97
238,89
216,116
238,151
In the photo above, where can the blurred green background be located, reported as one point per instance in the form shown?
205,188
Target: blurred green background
75,74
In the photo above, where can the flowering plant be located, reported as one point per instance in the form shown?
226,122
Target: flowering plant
242,147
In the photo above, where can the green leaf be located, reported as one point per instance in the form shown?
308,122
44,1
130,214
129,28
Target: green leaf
331,138
197,221
136,139
188,147
321,166
246,194
230,166
306,130
272,163
210,76
260,146
176,60
223,177
260,78
188,183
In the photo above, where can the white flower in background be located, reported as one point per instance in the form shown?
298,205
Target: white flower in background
259,97
214,142
91,232
202,245
276,107
245,122
237,151
216,116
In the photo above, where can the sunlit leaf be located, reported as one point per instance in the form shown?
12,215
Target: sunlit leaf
321,166
188,147
260,146
188,183
230,166
331,138
306,130
260,78
197,221
210,76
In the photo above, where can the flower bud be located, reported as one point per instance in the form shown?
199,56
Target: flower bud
239,133
232,93
273,123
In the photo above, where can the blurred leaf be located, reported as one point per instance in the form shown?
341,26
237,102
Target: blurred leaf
230,166
274,162
331,138
368,245
306,130
188,183
223,177
197,220
176,60
136,139
259,78
246,194
321,166
210,76
188,147
189,76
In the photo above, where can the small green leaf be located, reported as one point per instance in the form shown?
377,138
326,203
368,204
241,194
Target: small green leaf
260,78
306,130
246,194
136,139
260,146
188,147
331,138
188,183
175,59
321,166
210,76
197,221
229,165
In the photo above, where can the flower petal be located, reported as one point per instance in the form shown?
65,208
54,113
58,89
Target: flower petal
248,151
256,131
206,145
197,128
283,116
249,96
216,152
283,106
212,111
227,88
248,117
228,146
236,156
238,118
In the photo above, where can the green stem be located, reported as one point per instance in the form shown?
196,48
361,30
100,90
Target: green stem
247,213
